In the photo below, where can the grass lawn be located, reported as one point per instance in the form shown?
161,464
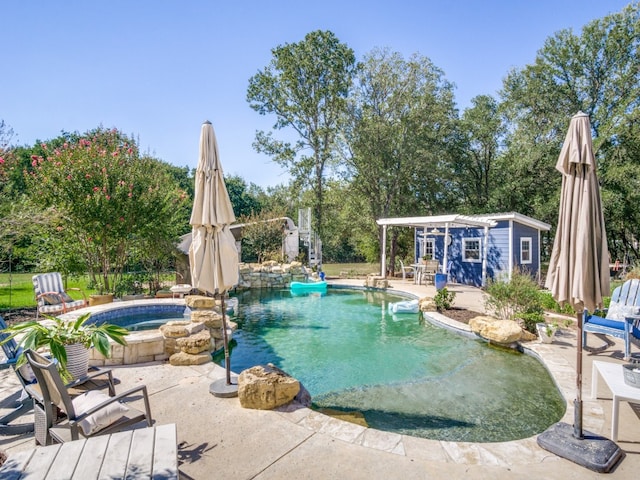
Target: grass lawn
350,269
17,291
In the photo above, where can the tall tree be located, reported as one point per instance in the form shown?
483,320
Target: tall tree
306,87
595,72
402,118
482,133
107,198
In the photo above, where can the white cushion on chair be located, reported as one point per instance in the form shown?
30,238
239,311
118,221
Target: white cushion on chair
620,312
103,417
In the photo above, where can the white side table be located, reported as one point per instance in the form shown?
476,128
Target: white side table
614,378
180,289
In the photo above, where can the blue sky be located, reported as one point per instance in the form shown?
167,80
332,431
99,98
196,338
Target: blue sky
158,69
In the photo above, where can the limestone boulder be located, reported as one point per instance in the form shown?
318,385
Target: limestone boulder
182,359
199,301
476,324
209,318
218,334
196,343
376,281
174,329
503,332
265,387
427,304
527,336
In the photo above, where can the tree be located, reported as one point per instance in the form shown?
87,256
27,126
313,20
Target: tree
595,72
401,123
482,130
306,87
106,196
243,200
262,237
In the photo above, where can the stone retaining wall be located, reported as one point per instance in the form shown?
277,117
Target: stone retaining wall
271,275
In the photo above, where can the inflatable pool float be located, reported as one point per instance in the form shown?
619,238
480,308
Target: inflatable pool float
300,287
408,306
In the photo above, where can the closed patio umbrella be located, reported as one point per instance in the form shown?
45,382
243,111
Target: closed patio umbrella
213,257
578,275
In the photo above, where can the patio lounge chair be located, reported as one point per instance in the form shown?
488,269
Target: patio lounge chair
622,319
51,296
88,414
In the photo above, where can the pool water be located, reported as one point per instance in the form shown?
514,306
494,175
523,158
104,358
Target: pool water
142,317
403,373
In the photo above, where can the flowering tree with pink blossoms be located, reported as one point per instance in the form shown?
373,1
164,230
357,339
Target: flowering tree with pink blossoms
109,198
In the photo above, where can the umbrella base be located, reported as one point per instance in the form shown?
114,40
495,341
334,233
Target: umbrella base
592,451
221,389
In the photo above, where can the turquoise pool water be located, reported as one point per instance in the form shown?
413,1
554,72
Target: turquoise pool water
404,374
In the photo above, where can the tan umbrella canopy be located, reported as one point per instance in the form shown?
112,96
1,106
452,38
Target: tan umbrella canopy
579,275
579,266
213,257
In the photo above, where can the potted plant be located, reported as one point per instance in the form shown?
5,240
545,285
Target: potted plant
68,341
101,297
546,331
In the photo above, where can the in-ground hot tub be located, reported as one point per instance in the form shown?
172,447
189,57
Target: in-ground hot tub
142,346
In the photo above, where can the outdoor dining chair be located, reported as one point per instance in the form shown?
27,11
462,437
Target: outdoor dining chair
407,270
88,414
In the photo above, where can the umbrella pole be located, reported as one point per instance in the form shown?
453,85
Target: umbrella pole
592,451
577,404
224,387
227,360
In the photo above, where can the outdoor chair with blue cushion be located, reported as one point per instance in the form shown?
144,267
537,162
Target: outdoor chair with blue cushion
51,296
88,414
622,318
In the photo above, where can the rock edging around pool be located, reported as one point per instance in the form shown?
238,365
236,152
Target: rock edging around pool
184,338
193,342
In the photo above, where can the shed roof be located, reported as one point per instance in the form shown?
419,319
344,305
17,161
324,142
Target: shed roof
451,221
518,217
454,220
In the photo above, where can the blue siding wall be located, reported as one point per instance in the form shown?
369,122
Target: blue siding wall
498,255
498,261
521,231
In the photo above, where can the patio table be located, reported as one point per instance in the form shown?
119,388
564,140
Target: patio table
614,378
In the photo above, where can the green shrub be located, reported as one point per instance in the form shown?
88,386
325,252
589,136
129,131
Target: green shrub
549,303
518,298
444,299
529,320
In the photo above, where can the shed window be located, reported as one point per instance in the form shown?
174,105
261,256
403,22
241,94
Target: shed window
525,250
471,249
428,249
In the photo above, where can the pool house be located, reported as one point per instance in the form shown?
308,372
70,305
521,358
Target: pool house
472,248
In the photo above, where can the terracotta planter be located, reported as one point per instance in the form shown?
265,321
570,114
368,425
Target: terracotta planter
77,360
100,299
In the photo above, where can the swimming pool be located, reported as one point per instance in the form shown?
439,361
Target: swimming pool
404,374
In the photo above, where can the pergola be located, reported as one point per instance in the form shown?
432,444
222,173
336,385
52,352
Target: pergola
435,222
